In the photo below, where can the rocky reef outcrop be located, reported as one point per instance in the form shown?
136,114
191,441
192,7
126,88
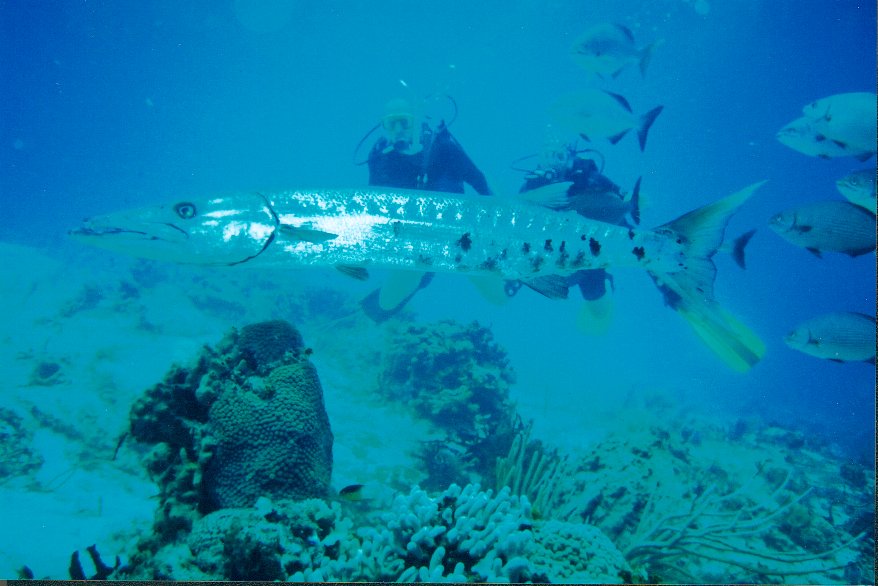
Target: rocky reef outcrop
457,377
247,420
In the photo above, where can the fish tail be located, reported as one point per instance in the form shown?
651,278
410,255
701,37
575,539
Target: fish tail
738,247
645,123
689,290
646,57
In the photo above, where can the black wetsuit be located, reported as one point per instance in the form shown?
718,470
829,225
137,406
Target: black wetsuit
441,165
586,179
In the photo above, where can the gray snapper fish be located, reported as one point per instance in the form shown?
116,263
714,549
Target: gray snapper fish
594,113
859,187
606,49
840,337
355,230
604,204
828,226
836,126
805,136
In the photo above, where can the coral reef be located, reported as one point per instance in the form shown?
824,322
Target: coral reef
685,503
457,377
462,534
247,420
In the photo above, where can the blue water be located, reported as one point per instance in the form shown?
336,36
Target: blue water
108,105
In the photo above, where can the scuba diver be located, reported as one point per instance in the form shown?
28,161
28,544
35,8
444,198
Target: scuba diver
412,155
594,196
435,162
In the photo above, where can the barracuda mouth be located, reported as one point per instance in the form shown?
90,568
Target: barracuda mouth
162,233
86,231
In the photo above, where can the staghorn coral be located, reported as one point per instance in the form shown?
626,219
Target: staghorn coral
246,420
462,534
457,377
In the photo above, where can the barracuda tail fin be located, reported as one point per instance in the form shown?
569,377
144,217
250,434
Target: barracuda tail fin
689,290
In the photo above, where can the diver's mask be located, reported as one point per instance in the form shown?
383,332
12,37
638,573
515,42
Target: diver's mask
400,130
555,162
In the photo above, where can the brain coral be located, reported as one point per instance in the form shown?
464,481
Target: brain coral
264,344
246,420
275,442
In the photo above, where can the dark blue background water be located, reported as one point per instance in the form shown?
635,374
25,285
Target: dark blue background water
107,105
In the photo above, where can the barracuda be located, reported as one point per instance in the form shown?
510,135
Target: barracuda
355,230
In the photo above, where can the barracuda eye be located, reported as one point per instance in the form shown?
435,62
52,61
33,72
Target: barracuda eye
185,210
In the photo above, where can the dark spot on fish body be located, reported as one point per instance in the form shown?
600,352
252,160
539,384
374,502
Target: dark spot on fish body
458,258
525,248
639,252
582,237
579,260
563,255
490,264
465,242
397,228
594,247
630,234
547,246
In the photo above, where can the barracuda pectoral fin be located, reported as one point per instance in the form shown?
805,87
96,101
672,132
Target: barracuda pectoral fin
305,233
